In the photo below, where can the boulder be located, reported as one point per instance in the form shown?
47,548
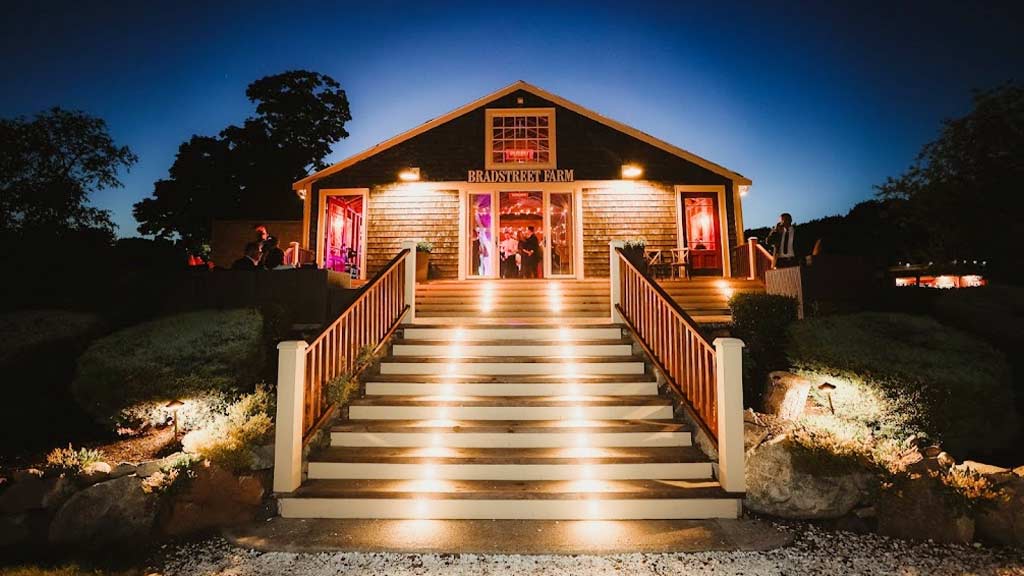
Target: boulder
27,474
14,530
918,508
780,485
93,473
754,431
35,493
1002,522
147,469
786,395
110,512
214,498
122,469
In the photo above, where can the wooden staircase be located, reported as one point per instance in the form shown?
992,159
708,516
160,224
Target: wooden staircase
507,416
706,299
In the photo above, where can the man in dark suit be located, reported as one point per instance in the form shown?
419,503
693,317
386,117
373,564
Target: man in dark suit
781,239
530,250
251,260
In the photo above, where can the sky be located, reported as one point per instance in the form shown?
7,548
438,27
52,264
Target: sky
815,102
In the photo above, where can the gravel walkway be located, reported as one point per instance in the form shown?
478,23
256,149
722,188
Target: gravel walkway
813,551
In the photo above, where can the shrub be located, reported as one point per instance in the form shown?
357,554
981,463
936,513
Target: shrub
139,369
425,246
71,461
231,437
760,320
27,330
919,376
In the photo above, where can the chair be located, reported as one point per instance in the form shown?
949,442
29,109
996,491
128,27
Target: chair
656,264
680,262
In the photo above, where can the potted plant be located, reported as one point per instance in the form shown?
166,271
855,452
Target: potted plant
633,248
423,250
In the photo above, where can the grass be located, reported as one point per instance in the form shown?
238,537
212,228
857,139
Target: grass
26,330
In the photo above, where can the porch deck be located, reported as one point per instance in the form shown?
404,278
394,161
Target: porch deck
547,301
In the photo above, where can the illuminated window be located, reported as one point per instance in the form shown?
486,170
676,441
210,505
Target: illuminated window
520,138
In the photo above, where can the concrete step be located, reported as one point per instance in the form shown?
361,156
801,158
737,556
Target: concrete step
455,349
508,333
591,499
557,389
511,408
550,365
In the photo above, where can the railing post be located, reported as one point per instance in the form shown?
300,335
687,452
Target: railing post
615,277
291,381
752,257
729,390
410,279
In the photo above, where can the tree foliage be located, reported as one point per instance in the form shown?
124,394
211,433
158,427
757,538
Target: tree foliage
49,167
960,191
246,171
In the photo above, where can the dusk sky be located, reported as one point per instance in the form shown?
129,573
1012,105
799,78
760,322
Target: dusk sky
816,103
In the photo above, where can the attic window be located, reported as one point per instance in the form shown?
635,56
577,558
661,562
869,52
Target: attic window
520,138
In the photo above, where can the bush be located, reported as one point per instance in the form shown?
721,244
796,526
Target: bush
906,375
760,320
71,461
137,370
230,438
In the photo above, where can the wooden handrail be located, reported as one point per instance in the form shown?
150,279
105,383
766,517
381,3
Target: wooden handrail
369,321
673,340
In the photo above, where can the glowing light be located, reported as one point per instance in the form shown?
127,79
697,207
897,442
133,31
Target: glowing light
409,175
724,288
554,298
631,171
577,413
487,298
421,508
744,190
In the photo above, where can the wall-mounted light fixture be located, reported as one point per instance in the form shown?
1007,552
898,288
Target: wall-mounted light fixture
632,171
744,190
409,175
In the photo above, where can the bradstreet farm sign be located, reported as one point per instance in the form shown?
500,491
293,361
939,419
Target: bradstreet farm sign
516,176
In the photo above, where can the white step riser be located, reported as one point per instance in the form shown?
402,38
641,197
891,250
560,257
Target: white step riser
507,440
441,509
537,350
497,333
510,413
511,368
510,389
382,471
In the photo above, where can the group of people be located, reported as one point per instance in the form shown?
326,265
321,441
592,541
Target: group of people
263,252
520,254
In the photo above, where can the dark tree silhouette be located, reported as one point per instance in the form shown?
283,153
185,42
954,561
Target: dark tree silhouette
959,194
49,166
247,171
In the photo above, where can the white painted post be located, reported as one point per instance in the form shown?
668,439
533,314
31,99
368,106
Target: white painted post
729,377
615,277
752,257
291,371
410,279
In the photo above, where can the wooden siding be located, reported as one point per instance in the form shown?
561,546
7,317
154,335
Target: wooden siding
647,212
397,214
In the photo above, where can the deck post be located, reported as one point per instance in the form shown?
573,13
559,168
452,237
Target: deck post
291,381
615,277
410,279
729,386
752,257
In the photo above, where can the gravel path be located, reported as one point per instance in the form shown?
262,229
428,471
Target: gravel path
813,551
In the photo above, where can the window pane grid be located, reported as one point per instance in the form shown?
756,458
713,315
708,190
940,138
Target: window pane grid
520,139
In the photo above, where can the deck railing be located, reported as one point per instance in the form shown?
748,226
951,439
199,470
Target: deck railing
751,260
707,375
306,370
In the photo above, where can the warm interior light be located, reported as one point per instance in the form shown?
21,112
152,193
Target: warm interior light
409,175
631,171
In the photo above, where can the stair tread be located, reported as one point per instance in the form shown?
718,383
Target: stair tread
516,456
513,489
513,342
581,379
510,426
511,401
555,359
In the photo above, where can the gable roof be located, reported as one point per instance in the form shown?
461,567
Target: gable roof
521,85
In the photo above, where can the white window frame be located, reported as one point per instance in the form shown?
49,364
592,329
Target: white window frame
489,138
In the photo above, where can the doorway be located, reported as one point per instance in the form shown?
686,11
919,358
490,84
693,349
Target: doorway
344,234
702,232
521,234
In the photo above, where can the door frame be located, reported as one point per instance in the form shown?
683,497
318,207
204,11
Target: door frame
324,193
546,188
723,220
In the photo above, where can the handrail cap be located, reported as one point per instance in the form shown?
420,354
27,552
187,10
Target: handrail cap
727,343
292,345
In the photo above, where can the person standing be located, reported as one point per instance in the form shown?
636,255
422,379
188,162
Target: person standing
509,248
251,259
530,250
781,239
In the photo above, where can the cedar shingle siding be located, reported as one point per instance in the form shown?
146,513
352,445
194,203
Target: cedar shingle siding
647,212
400,214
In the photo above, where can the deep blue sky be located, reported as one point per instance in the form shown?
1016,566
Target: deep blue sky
815,103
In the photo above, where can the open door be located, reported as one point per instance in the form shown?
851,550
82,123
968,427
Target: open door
702,232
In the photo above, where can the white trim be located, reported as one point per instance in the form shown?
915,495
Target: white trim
737,211
520,85
324,193
723,219
489,115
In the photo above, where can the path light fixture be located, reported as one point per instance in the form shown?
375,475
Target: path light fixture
173,406
827,388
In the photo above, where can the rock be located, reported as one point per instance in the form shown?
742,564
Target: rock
27,474
754,432
945,460
1002,522
780,485
109,512
93,473
918,509
35,493
1019,471
263,457
147,469
214,498
122,469
14,530
984,469
786,395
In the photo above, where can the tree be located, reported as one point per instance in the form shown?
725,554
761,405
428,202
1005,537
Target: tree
247,171
960,192
50,165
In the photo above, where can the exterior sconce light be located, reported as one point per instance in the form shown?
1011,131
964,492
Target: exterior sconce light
631,171
744,190
409,175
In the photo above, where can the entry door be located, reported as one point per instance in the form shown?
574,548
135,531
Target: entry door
703,232
482,253
535,232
